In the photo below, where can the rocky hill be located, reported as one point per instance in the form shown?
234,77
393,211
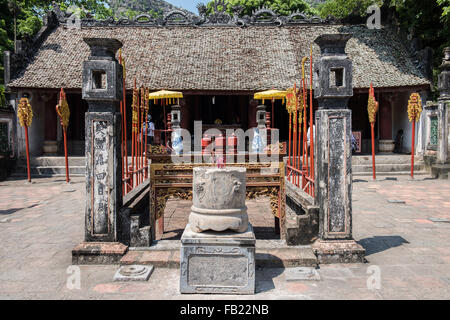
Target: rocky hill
159,7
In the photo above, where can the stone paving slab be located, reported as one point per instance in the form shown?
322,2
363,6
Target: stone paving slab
409,257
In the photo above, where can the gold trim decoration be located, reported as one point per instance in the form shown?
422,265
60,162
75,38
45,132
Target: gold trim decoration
25,112
135,107
63,110
291,97
414,107
163,194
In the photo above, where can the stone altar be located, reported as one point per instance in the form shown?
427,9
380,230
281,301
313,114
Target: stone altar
218,244
219,200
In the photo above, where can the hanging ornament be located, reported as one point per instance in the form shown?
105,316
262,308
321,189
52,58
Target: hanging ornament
24,112
63,110
372,106
414,107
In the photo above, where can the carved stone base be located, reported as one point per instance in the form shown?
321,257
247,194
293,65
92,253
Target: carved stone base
386,146
50,147
98,253
338,251
217,262
237,222
441,171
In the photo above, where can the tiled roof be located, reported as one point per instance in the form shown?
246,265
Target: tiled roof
219,58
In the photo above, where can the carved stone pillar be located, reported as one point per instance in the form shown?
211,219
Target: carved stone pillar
444,101
102,89
442,167
333,176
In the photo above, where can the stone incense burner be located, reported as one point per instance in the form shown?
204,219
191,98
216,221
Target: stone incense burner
219,200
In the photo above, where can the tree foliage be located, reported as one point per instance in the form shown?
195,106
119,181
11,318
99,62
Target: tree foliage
427,20
283,7
342,9
24,18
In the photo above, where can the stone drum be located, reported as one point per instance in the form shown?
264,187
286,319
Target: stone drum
219,200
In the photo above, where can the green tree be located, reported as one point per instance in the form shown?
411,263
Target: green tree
283,7
22,19
427,20
342,9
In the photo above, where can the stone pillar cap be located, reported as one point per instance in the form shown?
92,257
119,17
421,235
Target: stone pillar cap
333,43
103,47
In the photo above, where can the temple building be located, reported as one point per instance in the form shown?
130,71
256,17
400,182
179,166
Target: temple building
218,64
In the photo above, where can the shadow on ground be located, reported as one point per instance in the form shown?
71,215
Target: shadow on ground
264,275
381,243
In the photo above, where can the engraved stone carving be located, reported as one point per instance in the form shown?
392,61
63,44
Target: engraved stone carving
219,200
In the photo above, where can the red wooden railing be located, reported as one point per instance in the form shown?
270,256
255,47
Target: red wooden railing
300,166
136,173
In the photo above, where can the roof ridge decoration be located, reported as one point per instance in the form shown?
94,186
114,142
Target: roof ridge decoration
263,16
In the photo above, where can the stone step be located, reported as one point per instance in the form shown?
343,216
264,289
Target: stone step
53,161
49,171
269,254
385,159
387,168
396,173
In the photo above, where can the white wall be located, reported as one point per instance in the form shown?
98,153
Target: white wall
36,132
400,121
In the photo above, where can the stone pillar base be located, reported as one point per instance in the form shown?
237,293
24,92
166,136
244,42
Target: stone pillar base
50,147
440,171
338,251
217,262
386,146
98,253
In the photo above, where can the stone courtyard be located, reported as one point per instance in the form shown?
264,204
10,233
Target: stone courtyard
403,224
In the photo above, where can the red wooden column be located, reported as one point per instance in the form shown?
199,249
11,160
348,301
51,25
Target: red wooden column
385,119
252,113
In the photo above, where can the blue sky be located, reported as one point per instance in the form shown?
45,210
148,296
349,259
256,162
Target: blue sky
187,4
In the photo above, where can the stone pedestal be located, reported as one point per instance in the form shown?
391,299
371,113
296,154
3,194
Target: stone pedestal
217,262
50,147
386,146
218,244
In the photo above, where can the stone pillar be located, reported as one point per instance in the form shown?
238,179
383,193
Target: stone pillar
430,114
102,89
443,103
442,167
333,176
